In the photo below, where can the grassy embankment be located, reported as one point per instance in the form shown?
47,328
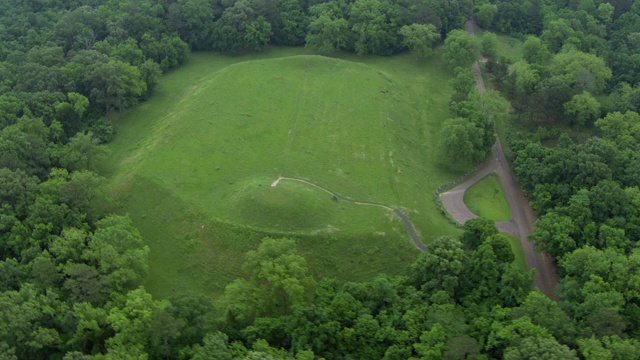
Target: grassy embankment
193,166
518,252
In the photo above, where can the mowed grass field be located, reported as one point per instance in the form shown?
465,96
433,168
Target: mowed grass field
194,165
487,199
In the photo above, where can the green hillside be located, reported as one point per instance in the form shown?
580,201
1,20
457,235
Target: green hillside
215,141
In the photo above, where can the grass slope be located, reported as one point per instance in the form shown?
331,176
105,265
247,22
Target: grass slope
194,165
518,252
486,198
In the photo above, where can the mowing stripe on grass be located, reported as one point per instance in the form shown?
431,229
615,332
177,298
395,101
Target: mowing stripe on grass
292,132
134,161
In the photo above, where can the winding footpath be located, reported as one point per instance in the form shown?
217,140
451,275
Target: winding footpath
407,223
521,224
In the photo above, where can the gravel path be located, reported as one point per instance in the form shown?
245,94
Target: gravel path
453,200
521,224
403,217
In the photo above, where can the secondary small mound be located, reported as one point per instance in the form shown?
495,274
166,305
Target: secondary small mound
289,206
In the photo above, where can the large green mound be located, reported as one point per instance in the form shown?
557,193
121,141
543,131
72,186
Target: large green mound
222,129
328,120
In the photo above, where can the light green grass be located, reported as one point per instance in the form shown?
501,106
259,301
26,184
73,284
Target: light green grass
194,165
510,47
518,252
486,198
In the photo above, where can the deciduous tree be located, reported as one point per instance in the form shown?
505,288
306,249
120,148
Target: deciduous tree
368,23
586,72
328,30
440,267
115,84
117,251
489,44
461,142
460,49
582,108
419,38
534,51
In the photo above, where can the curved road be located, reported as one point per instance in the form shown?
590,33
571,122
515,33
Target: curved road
521,224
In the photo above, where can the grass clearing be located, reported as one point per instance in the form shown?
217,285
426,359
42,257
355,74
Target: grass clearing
194,165
510,47
518,252
487,199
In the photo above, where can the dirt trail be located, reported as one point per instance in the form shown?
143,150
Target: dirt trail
403,217
521,224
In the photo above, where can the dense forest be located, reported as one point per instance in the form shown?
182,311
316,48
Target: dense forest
67,264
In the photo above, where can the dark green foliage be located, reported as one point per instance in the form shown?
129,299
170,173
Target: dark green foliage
534,347
68,268
576,187
476,232
464,141
241,27
419,38
501,247
440,267
461,49
546,313
215,346
464,82
17,191
196,311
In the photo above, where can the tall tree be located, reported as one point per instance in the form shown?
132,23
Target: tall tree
278,280
463,83
440,267
328,29
534,51
419,38
489,44
463,141
585,72
460,49
476,231
582,108
117,250
622,129
368,24
131,316
115,84
553,235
